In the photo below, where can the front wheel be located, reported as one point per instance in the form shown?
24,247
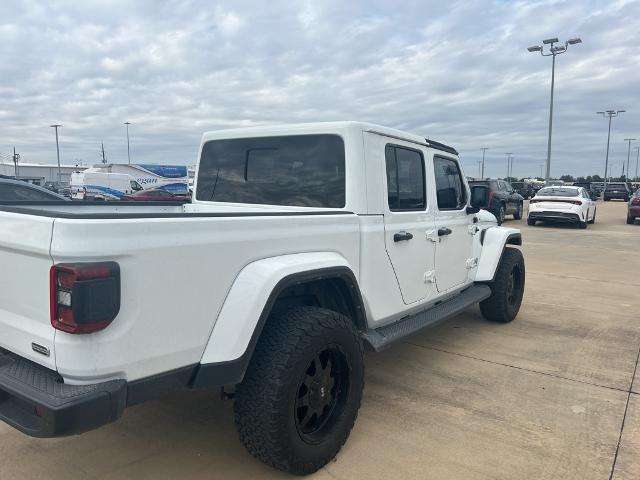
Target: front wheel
507,288
518,213
501,214
300,396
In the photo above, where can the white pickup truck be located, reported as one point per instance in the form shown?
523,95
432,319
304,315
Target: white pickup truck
304,245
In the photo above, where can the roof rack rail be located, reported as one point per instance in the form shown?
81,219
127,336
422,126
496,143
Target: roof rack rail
441,146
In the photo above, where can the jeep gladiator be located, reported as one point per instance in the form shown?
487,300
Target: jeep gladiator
303,246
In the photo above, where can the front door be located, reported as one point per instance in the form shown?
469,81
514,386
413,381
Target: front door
409,227
454,226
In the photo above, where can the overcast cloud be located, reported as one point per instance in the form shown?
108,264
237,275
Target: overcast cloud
457,72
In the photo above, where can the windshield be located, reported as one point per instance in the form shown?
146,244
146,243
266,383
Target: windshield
558,192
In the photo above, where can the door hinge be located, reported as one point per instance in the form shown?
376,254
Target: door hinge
472,262
430,276
433,236
473,229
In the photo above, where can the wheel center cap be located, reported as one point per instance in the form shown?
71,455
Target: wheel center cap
318,395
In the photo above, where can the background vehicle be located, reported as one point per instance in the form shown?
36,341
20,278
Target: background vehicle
593,193
155,195
633,209
502,199
562,204
89,185
17,190
524,188
58,187
291,259
554,183
617,191
173,178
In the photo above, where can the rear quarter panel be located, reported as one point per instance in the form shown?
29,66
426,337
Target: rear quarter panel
175,275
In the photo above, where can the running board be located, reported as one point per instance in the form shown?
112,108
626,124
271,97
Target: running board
380,338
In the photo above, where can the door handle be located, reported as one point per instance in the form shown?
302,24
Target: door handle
402,236
444,231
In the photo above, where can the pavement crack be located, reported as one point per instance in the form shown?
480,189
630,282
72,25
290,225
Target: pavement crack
573,277
524,369
624,416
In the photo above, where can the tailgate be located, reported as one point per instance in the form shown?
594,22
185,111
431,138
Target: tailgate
24,286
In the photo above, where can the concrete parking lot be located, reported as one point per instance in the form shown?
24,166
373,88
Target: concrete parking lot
551,395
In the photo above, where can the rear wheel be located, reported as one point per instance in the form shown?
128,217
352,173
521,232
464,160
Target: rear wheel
630,220
507,288
583,225
531,222
593,219
300,397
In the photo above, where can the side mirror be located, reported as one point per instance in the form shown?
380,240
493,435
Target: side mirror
479,198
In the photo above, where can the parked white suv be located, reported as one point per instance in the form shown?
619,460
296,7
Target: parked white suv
304,244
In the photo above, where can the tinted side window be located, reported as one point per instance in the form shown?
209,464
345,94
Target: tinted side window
297,170
14,192
450,186
405,178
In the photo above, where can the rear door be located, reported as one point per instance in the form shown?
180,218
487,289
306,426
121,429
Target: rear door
409,228
455,227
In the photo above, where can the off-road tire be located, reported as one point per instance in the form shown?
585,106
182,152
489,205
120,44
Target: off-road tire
266,402
518,213
500,306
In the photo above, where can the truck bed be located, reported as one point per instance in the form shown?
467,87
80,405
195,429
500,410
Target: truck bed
177,265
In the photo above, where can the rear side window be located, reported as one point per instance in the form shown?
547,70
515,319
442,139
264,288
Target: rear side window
296,170
450,187
405,178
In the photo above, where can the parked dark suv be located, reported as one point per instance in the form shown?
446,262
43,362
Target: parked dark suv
617,191
524,188
503,199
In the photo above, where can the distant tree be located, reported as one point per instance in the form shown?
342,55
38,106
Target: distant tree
595,178
567,178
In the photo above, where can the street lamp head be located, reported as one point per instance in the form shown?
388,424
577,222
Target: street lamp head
600,113
558,49
56,125
127,123
573,41
550,40
620,111
535,48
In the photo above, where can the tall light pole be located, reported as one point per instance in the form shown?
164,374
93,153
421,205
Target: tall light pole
484,149
553,52
629,140
128,151
637,149
508,154
610,114
57,150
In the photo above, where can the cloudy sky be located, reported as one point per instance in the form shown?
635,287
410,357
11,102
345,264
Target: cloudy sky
457,72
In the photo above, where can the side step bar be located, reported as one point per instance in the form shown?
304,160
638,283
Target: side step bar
380,338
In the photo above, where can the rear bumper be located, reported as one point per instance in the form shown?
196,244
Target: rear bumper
616,196
555,216
34,400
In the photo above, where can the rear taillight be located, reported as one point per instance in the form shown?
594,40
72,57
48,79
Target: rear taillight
85,297
536,200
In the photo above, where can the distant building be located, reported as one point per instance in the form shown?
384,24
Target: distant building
39,173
